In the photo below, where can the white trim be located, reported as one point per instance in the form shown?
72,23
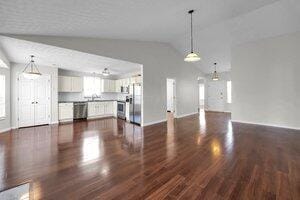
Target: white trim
226,111
5,130
266,124
154,122
185,115
54,122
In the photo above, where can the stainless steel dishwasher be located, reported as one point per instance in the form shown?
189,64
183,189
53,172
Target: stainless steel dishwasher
80,110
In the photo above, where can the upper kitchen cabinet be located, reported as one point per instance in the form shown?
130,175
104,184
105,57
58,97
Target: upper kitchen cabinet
108,85
70,84
136,79
77,84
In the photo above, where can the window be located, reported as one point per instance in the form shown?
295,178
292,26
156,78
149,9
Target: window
2,96
228,91
91,86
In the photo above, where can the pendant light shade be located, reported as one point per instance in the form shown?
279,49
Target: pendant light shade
105,72
31,71
192,57
215,76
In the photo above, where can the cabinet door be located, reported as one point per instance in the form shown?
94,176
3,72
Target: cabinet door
112,85
108,108
64,84
105,85
138,79
77,84
91,109
65,111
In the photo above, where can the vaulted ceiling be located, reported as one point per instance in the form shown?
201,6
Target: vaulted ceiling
218,24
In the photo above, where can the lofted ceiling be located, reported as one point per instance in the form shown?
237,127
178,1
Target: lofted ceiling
218,24
18,51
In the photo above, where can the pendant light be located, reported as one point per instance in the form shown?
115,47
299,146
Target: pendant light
31,71
192,57
215,76
105,72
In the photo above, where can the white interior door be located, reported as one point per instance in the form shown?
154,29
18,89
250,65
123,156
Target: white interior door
171,95
42,100
26,102
34,101
215,97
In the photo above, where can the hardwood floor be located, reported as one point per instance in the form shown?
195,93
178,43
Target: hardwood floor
196,157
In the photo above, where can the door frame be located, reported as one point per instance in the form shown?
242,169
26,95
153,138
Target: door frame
50,99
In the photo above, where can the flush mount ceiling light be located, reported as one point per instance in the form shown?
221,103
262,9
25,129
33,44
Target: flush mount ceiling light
105,72
192,57
31,71
215,76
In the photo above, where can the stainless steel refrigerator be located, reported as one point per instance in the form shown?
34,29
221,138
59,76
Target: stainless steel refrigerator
135,103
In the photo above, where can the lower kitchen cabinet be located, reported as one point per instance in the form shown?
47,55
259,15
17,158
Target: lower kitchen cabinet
65,112
101,109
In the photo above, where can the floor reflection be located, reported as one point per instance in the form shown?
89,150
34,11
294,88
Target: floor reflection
91,148
216,148
229,137
171,148
202,121
133,137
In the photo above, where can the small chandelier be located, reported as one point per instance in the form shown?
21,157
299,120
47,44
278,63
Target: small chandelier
192,57
31,71
105,72
215,76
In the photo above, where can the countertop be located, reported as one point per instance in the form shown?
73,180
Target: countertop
103,100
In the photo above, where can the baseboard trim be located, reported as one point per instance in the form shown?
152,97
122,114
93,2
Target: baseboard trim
5,130
154,122
217,111
55,122
265,124
186,115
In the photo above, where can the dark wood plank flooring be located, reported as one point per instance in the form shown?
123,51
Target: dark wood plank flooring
196,157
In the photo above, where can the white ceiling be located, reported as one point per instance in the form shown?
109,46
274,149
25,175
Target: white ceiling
218,24
18,51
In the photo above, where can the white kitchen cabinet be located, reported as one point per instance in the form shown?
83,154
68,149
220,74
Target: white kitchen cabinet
118,85
77,84
65,112
64,84
70,84
101,109
108,85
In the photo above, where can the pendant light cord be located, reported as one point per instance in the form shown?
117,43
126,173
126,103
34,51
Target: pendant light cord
192,39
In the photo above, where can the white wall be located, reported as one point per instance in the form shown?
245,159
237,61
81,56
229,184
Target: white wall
223,77
266,83
5,123
160,61
16,69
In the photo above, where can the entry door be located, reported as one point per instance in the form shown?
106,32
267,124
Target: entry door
215,98
34,101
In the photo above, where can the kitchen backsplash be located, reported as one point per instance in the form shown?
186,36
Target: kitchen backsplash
78,96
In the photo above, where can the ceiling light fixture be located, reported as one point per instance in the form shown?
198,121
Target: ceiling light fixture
31,71
105,72
192,57
215,76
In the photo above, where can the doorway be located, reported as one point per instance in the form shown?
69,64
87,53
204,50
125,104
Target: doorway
34,101
171,95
